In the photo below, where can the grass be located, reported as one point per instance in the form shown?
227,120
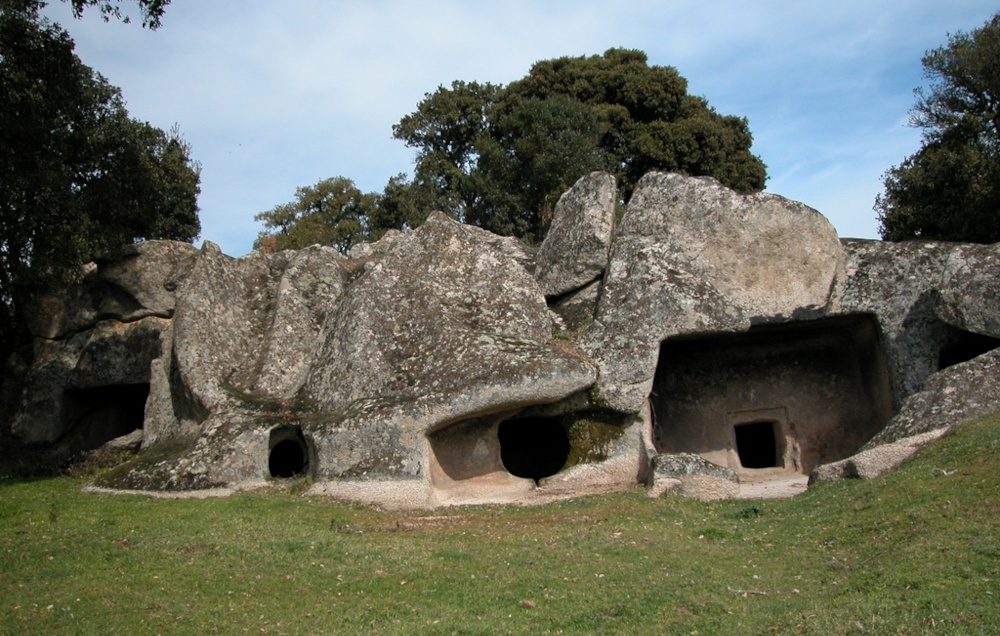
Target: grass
912,552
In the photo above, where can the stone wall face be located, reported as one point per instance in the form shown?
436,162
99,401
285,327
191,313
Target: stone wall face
790,397
691,257
445,364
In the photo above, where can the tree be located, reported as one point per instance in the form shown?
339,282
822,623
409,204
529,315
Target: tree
648,120
402,204
79,176
500,156
950,188
536,149
445,130
333,212
151,10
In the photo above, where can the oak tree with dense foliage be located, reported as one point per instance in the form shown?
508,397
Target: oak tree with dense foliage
950,188
78,175
499,157
333,212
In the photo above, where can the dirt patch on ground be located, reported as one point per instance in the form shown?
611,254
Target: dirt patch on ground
773,487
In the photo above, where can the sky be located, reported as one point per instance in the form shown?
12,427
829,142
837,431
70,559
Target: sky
277,95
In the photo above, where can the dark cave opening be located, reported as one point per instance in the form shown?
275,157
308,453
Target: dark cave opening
100,414
797,394
533,448
289,454
964,346
756,444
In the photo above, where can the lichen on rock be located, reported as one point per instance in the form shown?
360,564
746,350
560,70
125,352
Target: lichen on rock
390,374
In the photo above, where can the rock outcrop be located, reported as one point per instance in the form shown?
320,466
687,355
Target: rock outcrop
692,256
574,253
711,337
693,476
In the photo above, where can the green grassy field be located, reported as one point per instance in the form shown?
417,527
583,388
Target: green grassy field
916,551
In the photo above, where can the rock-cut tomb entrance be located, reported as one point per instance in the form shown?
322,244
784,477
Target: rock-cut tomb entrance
775,400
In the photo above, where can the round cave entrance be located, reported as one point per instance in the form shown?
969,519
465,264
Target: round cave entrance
533,448
289,454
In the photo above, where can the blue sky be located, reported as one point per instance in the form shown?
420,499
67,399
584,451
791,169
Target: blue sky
276,95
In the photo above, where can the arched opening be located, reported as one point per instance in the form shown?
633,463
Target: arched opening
289,453
533,448
756,445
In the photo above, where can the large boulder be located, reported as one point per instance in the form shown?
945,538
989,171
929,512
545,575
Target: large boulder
247,328
959,393
447,316
693,256
692,476
575,250
898,283
132,283
308,289
445,364
441,326
970,289
140,279
872,462
225,307
934,301
82,391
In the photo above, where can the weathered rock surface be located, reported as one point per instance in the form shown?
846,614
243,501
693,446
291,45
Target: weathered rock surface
928,298
434,366
136,282
970,289
899,283
309,288
876,460
223,310
959,393
575,250
446,314
128,442
693,256
60,386
576,309
445,325
141,279
693,476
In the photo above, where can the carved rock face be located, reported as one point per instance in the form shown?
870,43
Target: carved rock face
450,364
693,256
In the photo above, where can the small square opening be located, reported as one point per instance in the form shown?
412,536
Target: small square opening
757,444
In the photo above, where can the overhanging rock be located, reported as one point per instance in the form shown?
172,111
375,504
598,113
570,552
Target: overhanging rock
693,256
445,364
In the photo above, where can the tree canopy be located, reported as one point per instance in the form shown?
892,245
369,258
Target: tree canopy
333,212
79,176
499,157
950,188
151,10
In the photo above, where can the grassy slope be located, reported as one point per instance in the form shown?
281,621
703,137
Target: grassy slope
915,551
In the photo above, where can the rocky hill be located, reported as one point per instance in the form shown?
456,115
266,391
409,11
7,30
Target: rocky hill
708,337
